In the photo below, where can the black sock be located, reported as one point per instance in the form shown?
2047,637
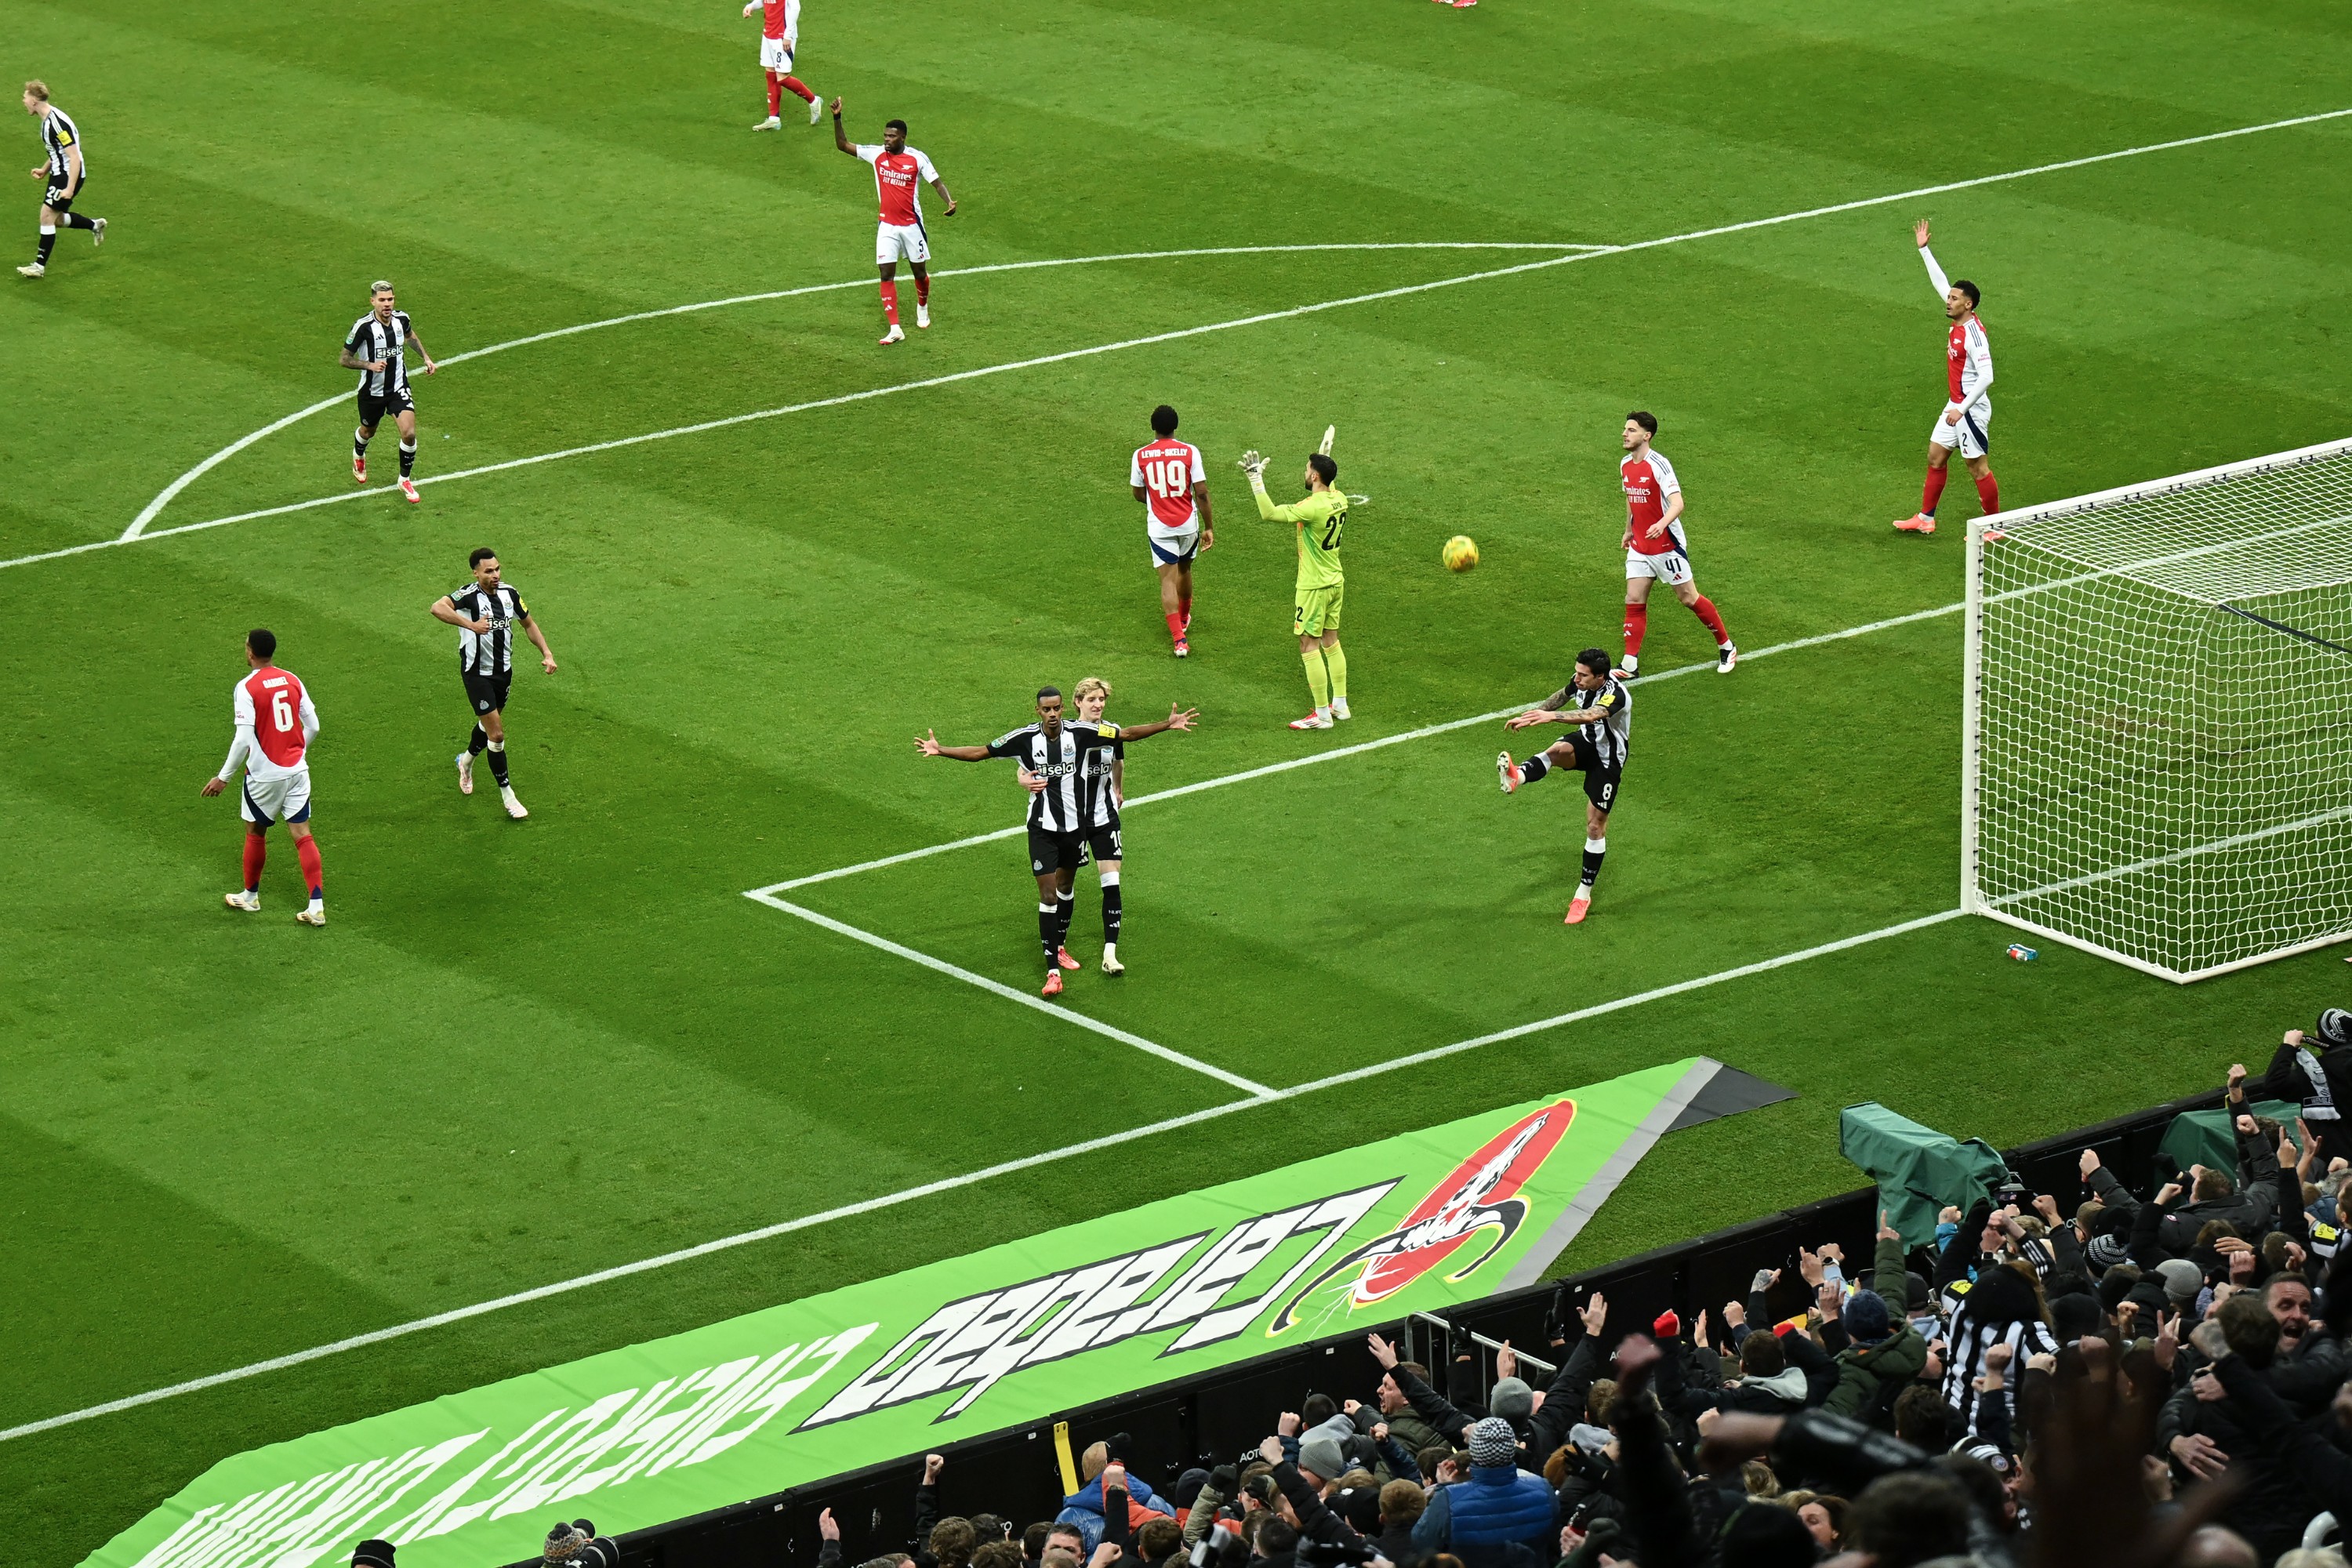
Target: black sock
1049,926
1066,907
75,220
1534,768
49,242
407,457
477,741
1592,861
1111,915
359,442
498,763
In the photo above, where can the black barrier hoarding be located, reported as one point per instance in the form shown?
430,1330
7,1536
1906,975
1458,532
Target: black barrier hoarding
1214,1419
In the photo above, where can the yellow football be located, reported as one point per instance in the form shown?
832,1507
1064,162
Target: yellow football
1461,553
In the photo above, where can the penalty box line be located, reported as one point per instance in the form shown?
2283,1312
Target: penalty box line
951,1183
1250,1087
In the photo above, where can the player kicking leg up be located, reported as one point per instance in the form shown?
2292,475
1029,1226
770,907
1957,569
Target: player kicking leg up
486,612
1602,709
899,171
275,724
1168,478
1965,423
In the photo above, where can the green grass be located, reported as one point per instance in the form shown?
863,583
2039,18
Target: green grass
522,1053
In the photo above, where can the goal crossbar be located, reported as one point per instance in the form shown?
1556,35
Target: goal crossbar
2137,780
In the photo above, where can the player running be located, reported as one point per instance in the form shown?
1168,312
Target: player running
1055,754
1322,587
484,612
274,726
779,36
898,171
1603,714
1167,479
1655,550
66,172
377,347
1967,419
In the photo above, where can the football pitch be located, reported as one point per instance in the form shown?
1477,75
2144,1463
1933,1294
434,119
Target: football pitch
769,554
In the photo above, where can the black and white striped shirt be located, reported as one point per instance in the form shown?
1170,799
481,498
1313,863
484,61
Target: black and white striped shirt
58,134
1064,805
491,652
1100,800
371,341
1611,736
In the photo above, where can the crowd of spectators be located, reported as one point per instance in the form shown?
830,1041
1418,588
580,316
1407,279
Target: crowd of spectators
2147,1371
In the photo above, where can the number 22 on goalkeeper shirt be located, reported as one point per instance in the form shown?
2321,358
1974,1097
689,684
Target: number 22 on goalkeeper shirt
1320,520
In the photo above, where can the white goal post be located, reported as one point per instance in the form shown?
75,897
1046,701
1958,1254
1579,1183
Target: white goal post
2157,717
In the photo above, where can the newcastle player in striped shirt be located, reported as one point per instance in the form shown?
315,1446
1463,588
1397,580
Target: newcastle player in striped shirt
484,612
1599,709
377,347
1059,809
66,167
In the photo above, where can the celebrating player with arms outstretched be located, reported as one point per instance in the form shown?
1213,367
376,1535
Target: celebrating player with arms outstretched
779,32
899,173
1059,811
1603,712
1967,419
1322,586
274,726
1167,479
1656,550
377,347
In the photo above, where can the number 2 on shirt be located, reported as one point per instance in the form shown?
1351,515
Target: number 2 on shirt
1331,527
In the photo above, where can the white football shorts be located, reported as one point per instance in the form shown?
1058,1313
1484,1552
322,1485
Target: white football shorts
1672,568
776,55
285,799
900,242
1972,434
1173,546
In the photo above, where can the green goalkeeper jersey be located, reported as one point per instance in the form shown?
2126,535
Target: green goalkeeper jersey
1320,518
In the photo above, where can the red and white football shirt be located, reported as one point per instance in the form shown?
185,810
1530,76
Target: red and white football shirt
1649,479
896,183
272,704
1166,472
1967,358
781,19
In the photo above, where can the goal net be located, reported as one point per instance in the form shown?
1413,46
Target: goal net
2156,759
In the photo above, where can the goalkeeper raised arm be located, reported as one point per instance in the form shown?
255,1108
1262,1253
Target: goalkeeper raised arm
1319,519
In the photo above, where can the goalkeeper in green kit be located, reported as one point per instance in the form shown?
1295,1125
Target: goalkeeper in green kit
1322,586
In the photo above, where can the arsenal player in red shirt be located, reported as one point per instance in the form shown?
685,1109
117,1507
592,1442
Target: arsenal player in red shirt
275,722
779,33
1965,423
1655,550
899,173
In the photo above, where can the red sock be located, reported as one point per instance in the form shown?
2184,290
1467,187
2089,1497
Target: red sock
922,288
800,90
890,301
1704,608
306,850
1184,607
1933,491
1989,492
257,851
1637,627
775,94
1175,627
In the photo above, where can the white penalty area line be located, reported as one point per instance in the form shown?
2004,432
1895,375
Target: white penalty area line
767,894
1247,1086
138,529
951,1183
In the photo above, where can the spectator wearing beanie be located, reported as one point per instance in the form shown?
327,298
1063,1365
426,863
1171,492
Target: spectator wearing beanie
578,1545
1501,1506
1882,1355
373,1554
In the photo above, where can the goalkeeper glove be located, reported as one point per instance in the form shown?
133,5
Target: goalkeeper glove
1253,465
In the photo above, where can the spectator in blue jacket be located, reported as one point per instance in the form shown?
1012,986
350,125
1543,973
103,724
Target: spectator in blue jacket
1084,1508
1500,1507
